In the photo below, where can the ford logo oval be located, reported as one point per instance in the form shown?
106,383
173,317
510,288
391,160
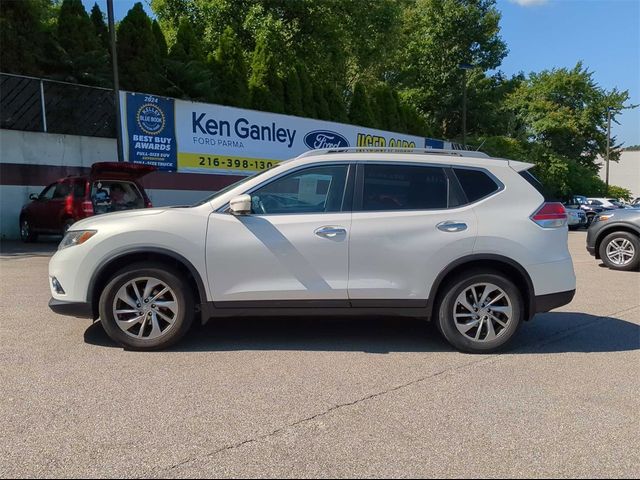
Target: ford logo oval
324,139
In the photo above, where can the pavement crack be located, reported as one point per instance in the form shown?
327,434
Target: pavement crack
485,359
329,410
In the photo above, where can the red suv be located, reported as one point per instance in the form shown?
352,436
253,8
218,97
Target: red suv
109,187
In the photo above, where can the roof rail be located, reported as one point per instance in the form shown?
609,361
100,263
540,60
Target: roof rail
423,151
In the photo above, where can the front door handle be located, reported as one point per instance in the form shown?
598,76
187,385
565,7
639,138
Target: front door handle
451,226
330,231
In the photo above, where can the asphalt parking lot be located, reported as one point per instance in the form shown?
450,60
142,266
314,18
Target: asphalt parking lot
318,397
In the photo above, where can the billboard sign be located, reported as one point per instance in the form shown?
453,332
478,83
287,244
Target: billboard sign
208,138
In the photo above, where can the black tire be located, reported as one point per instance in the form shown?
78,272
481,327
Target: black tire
633,263
445,309
66,225
27,235
171,278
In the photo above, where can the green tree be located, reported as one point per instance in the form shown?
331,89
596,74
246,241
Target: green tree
23,37
100,28
322,106
439,36
265,86
187,74
293,94
308,102
336,105
161,42
619,193
232,71
565,111
360,109
86,57
138,59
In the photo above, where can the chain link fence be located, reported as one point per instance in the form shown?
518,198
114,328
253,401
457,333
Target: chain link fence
40,105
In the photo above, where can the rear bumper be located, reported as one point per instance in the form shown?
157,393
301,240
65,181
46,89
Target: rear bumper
544,303
71,309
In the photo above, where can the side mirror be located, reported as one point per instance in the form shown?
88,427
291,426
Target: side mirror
33,196
240,205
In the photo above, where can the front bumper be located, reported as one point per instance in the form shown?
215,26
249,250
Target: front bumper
71,309
544,303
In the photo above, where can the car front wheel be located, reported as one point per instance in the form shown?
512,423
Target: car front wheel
480,312
27,235
621,251
146,307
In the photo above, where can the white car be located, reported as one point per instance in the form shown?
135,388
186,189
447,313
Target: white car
456,237
604,202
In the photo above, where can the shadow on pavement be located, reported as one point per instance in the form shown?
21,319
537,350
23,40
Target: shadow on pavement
45,247
548,333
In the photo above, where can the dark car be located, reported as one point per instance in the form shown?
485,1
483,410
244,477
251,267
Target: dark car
580,202
614,237
109,187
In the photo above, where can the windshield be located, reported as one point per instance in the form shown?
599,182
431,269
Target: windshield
229,187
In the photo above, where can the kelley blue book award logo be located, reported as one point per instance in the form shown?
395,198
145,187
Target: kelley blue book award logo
150,119
324,139
151,131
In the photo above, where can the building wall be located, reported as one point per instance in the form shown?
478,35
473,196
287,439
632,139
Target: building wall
625,173
29,161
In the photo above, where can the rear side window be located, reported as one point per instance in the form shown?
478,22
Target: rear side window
62,190
475,183
542,190
404,187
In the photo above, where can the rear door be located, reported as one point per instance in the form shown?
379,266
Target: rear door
406,228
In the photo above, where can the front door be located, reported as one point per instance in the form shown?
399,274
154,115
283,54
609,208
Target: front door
404,231
293,247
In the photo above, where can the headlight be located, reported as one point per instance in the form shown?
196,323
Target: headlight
604,218
77,237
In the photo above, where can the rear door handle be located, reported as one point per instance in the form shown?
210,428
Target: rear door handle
451,226
330,231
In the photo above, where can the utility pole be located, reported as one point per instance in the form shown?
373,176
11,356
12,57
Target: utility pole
464,108
608,148
464,67
116,83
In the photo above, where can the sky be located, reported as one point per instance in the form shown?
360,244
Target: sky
546,34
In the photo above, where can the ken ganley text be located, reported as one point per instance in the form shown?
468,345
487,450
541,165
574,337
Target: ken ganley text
242,128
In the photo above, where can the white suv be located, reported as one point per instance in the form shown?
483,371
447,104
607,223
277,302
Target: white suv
457,237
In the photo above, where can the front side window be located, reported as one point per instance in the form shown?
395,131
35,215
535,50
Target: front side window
312,190
404,187
47,193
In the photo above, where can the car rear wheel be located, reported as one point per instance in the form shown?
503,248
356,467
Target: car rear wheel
480,312
146,307
27,235
621,251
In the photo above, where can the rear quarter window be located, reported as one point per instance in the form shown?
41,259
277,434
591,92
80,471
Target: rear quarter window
476,184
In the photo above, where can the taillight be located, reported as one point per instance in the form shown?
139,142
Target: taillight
550,215
87,207
148,204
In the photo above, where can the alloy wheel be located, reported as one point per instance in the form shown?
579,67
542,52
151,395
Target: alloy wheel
620,251
145,308
482,312
25,229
